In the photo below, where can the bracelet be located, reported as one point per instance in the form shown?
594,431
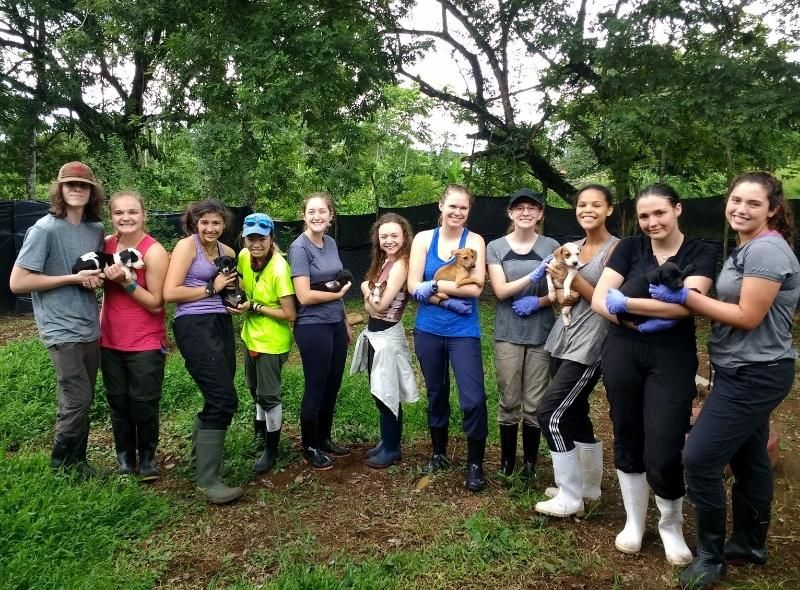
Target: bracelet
132,287
435,287
210,291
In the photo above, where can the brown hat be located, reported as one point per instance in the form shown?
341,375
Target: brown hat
76,172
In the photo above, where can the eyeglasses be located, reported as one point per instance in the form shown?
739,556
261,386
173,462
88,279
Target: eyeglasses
261,224
525,209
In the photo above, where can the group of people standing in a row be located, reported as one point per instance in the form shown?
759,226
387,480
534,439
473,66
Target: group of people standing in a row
546,369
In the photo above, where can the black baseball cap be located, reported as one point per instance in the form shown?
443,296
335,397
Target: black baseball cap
526,193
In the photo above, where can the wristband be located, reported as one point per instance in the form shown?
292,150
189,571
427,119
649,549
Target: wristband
132,287
210,291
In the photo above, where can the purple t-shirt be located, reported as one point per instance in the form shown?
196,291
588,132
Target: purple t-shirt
200,272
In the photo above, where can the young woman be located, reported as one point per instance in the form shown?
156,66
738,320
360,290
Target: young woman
383,343
133,338
522,322
649,377
575,351
204,334
751,350
320,330
267,335
449,333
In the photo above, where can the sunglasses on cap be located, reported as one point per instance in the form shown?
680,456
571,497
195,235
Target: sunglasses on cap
262,224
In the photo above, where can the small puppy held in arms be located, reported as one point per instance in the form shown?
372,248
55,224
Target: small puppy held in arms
668,274
127,259
457,271
232,295
334,285
565,257
376,291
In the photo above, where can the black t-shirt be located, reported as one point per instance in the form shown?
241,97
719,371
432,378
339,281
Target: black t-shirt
634,257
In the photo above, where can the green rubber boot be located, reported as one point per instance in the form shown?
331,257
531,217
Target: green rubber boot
210,444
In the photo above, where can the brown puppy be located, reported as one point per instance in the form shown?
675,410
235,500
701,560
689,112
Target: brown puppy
457,271
567,257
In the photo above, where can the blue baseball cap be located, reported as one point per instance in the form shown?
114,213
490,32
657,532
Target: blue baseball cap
257,223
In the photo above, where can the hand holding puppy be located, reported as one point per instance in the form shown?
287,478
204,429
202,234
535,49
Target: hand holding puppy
457,305
539,272
424,291
667,295
616,302
525,306
655,325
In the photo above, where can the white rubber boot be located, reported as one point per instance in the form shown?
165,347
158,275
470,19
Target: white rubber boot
567,474
670,527
635,497
591,456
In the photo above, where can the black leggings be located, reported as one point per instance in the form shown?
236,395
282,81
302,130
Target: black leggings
323,350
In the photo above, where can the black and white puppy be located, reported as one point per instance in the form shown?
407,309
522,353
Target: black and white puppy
335,285
128,259
668,274
232,295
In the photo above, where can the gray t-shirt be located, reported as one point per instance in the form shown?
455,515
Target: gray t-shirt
51,247
582,341
767,257
508,326
319,265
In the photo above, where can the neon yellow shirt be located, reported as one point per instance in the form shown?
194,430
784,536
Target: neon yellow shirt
262,333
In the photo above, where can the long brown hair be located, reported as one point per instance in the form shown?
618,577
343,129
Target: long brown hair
93,210
378,255
783,220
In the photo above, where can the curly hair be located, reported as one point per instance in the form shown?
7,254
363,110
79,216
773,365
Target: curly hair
783,219
93,210
196,210
378,255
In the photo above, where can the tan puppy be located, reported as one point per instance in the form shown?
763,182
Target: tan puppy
457,271
567,257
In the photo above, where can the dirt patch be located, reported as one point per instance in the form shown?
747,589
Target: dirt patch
16,327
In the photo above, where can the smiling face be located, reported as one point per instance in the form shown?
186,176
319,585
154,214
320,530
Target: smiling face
455,209
592,209
258,246
317,215
390,239
210,227
747,209
525,213
657,216
127,215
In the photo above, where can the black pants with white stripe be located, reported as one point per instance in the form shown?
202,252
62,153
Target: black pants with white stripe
564,411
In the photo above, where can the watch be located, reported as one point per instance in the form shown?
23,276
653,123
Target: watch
131,287
210,291
435,286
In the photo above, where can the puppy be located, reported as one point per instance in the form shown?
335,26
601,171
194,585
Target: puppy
129,258
566,256
669,274
232,295
457,271
375,291
335,285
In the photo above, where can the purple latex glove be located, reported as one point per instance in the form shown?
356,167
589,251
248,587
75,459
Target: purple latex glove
525,306
460,306
667,295
538,274
616,302
655,325
424,291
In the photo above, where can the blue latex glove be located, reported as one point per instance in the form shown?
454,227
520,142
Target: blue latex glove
424,291
538,274
525,306
655,325
667,295
616,302
460,306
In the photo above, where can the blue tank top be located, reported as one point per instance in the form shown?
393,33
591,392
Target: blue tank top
199,273
435,319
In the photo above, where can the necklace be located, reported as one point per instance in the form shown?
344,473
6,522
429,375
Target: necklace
210,252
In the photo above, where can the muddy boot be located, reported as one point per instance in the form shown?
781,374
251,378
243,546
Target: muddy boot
531,436
210,445
508,449
438,460
709,565
748,541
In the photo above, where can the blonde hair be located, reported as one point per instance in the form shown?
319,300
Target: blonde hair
133,194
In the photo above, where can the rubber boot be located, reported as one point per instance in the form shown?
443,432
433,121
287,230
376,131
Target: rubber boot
125,446
210,445
476,448
567,475
591,456
59,453
270,454
259,433
312,454
438,460
391,432
326,444
748,541
709,565
79,462
147,441
531,436
670,528
508,449
376,449
635,496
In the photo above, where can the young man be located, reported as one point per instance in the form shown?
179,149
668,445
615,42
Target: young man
64,303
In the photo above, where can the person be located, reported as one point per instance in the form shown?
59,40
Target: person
266,333
575,364
448,332
648,370
320,330
133,338
383,343
751,350
203,331
523,320
64,303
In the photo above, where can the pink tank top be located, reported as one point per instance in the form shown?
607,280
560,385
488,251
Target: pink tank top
396,308
124,324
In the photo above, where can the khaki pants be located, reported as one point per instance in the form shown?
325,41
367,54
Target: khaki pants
523,374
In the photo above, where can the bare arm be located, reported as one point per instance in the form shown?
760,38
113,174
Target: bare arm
308,296
504,289
396,281
475,242
755,299
23,280
156,262
287,311
416,261
610,279
180,261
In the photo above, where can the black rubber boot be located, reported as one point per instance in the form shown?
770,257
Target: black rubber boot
312,454
508,449
59,454
125,445
391,433
709,565
475,481
438,460
78,459
147,441
259,433
531,435
270,455
748,541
